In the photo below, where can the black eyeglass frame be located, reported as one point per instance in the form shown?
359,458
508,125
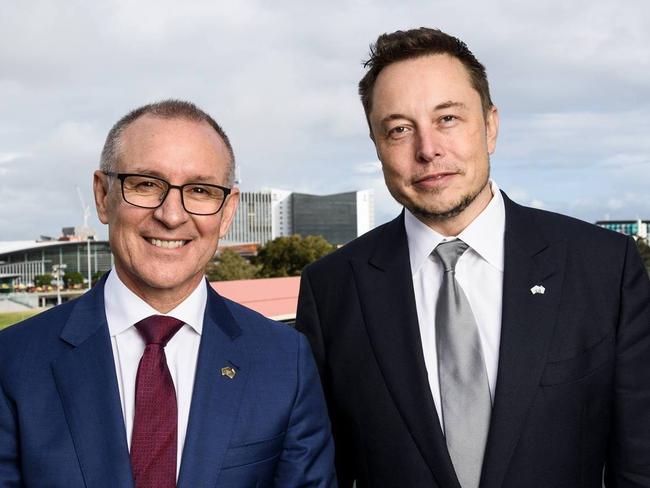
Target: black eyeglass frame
123,176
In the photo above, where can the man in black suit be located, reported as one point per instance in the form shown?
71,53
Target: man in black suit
472,341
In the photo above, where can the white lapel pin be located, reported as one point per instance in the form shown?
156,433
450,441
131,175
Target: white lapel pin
537,289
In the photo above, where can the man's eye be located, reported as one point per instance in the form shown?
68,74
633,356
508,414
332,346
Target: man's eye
448,118
397,131
201,191
146,185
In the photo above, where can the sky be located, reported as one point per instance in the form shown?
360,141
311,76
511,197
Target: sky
571,81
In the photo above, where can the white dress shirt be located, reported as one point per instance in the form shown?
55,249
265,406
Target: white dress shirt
479,272
123,310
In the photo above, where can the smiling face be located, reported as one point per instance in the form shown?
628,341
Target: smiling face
160,254
433,140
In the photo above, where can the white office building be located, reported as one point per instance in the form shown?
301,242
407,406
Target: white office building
267,214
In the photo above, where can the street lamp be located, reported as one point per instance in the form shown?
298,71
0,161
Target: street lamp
58,271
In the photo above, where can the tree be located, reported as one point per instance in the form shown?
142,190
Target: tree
287,256
230,266
97,275
43,280
644,250
73,278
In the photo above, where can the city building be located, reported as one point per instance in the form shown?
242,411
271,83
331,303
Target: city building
261,217
639,229
265,215
24,260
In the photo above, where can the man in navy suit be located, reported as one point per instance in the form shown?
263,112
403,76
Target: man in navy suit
151,379
472,341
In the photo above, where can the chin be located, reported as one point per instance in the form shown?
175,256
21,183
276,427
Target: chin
441,213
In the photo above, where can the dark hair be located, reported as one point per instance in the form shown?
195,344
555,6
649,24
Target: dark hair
166,109
402,45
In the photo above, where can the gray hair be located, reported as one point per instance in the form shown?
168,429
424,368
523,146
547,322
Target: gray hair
166,109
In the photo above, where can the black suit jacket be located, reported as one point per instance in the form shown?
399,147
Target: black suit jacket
573,385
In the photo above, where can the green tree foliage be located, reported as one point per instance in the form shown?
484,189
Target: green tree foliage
73,278
43,280
644,250
287,256
97,275
230,266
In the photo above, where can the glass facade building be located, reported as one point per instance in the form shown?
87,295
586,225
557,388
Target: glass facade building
332,216
265,215
28,259
636,228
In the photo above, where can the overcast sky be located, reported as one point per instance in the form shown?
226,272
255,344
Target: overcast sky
571,81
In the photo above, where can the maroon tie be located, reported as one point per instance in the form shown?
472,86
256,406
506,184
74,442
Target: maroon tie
154,437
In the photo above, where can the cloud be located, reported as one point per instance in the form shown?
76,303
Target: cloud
571,79
371,167
10,157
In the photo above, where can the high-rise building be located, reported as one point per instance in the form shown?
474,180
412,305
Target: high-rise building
261,217
635,228
265,215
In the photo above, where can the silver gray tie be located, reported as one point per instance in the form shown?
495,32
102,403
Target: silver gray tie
464,388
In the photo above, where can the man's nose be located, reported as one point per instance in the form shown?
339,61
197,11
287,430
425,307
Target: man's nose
429,145
171,212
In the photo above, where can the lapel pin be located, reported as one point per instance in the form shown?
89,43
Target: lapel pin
537,289
228,371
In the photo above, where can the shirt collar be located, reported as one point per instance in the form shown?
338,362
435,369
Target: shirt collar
124,308
484,234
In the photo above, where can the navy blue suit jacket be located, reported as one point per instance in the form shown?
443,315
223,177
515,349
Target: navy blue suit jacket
61,422
573,384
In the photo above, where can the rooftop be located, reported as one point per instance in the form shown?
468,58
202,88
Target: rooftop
14,246
276,298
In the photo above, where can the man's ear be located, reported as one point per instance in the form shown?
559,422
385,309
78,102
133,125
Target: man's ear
100,190
492,128
229,209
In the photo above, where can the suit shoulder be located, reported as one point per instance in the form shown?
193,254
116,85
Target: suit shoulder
573,229
42,325
361,247
586,242
256,323
32,338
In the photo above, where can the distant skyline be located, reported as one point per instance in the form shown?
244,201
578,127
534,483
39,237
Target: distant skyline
571,81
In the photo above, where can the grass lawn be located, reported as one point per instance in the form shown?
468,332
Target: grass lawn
10,318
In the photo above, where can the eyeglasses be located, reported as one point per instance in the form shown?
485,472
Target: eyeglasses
150,192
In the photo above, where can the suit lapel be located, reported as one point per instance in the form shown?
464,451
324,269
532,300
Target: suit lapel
387,300
86,381
527,325
216,398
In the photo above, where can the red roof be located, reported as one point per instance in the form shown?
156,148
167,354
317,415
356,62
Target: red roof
275,298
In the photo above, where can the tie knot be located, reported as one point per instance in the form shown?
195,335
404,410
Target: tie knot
449,252
158,329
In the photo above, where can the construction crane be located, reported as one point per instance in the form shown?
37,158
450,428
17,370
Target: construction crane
86,213
84,207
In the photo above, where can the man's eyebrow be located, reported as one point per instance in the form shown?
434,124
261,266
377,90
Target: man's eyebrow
390,117
157,174
450,104
202,179
441,106
141,170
